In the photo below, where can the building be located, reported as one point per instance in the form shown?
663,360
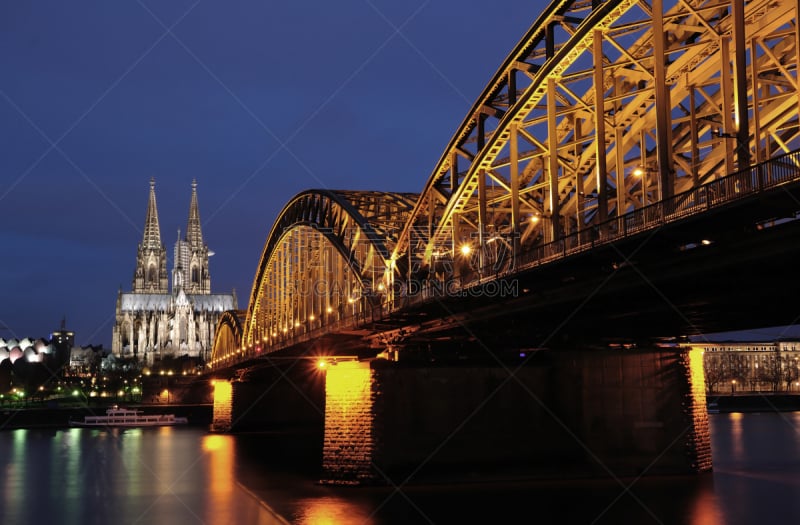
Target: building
155,321
743,367
29,363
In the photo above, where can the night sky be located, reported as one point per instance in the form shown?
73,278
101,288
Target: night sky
256,100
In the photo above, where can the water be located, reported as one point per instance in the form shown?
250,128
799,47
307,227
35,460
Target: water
176,475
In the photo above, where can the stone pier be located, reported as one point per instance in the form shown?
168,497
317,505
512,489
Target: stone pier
554,414
277,399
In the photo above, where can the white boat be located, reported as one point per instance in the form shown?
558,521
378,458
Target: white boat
125,417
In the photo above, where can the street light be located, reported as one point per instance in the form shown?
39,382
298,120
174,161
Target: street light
642,171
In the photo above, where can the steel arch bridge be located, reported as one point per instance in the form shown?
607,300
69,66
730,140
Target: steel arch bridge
607,117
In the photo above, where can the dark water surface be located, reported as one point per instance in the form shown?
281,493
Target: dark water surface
174,475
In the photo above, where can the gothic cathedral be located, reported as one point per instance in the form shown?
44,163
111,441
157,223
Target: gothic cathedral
152,322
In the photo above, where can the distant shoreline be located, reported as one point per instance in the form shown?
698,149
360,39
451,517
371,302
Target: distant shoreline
760,402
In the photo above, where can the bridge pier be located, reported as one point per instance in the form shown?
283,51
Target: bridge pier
554,414
280,399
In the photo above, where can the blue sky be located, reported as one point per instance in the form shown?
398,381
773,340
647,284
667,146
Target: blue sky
256,100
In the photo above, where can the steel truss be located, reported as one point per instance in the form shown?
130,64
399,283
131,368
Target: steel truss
325,260
690,91
607,117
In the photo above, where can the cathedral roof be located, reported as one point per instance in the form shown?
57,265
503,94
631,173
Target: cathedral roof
149,302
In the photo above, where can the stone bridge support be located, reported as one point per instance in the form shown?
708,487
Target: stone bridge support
561,414
284,399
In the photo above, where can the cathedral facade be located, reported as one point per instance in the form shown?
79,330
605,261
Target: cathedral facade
155,320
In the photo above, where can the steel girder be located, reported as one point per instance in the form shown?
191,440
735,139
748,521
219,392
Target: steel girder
688,91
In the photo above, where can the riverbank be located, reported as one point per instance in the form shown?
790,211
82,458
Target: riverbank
763,402
59,417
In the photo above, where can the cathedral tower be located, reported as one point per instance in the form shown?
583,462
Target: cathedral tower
190,271
150,275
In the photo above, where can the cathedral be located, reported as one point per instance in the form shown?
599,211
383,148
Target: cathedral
154,322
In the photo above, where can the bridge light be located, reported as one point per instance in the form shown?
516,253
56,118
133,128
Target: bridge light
381,287
296,324
330,309
311,317
638,172
705,242
465,249
534,219
321,363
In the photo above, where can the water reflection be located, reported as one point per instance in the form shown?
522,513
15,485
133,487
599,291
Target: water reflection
705,509
219,476
329,510
178,475
87,476
736,433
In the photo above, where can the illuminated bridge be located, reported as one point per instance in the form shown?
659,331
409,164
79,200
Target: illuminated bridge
629,171
691,144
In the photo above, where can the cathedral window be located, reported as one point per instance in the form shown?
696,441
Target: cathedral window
195,275
151,273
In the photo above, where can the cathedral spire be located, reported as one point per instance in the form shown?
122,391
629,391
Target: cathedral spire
194,234
152,233
151,261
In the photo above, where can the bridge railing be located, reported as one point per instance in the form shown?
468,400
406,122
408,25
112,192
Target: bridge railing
719,192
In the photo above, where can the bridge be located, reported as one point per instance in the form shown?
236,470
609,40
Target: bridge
629,172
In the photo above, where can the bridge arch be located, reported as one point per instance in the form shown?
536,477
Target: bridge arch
228,336
325,261
603,108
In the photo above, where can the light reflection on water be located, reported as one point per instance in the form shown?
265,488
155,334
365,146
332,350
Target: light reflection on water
93,476
186,475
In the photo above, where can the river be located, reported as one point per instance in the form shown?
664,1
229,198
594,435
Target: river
175,475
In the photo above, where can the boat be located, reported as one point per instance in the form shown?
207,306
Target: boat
127,417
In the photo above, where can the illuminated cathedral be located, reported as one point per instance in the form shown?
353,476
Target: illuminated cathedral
154,322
